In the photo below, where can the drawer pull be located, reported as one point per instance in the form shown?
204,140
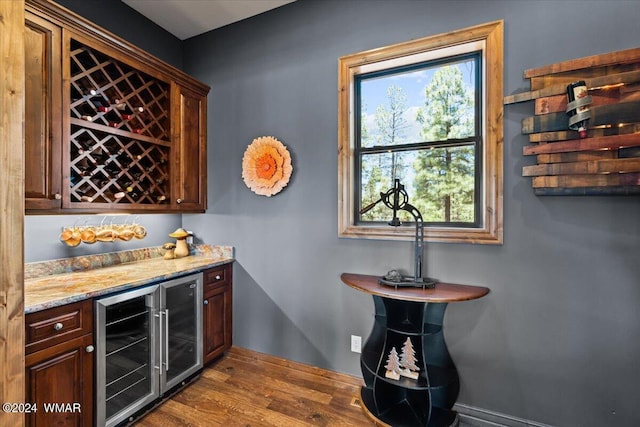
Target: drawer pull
57,326
218,277
89,349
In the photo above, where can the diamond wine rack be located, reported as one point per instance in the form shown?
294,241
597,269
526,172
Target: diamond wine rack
120,132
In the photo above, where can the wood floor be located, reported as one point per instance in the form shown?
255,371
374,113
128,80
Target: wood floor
252,389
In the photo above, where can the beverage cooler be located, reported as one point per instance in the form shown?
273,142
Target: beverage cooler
148,341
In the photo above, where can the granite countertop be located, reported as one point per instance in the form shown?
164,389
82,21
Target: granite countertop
58,282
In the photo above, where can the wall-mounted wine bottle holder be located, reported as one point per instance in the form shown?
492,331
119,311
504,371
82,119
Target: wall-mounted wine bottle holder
604,158
119,147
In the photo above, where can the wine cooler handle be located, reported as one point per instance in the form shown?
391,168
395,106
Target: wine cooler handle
166,339
161,334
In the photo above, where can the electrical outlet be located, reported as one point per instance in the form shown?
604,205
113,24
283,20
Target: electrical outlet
356,344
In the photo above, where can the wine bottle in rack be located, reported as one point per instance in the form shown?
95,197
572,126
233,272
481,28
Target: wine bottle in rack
100,156
112,169
86,112
128,186
113,120
85,167
85,145
123,160
118,103
85,193
87,88
126,112
578,101
117,195
100,182
100,104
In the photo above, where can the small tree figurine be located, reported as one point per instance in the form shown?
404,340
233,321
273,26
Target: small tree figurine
393,365
408,361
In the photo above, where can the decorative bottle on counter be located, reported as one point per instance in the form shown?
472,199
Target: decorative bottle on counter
577,107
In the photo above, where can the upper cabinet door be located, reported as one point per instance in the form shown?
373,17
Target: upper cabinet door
190,137
108,127
42,127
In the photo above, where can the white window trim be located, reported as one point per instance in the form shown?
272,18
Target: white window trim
491,36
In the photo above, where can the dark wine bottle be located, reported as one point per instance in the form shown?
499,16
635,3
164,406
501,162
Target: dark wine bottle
123,160
87,89
100,156
126,112
85,145
85,193
578,100
100,104
113,120
112,169
85,167
86,112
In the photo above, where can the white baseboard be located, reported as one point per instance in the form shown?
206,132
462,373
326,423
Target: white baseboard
477,417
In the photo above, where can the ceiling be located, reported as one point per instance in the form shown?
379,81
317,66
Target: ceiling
188,18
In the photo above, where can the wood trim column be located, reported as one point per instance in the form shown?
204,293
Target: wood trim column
11,208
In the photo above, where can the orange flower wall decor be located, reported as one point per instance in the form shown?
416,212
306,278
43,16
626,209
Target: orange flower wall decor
266,166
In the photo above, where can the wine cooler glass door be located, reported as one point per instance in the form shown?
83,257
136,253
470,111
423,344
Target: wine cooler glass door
182,316
127,374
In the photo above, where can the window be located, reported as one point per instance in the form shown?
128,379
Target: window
427,112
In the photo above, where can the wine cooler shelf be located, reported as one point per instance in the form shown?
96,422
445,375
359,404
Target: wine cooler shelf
120,131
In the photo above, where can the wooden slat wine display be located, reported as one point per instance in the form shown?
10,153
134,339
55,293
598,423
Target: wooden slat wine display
120,132
607,161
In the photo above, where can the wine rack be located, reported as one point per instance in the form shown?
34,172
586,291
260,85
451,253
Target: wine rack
605,161
120,133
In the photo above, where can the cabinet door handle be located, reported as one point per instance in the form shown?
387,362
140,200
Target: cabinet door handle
89,349
57,196
57,326
179,201
218,277
206,302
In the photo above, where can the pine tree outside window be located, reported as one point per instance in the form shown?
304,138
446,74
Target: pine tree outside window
428,112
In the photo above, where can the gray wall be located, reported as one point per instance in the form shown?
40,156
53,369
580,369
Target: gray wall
557,339
42,234
120,19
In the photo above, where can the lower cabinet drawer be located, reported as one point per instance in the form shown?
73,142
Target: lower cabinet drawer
216,275
55,325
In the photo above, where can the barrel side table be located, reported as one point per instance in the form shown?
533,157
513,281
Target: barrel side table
411,315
